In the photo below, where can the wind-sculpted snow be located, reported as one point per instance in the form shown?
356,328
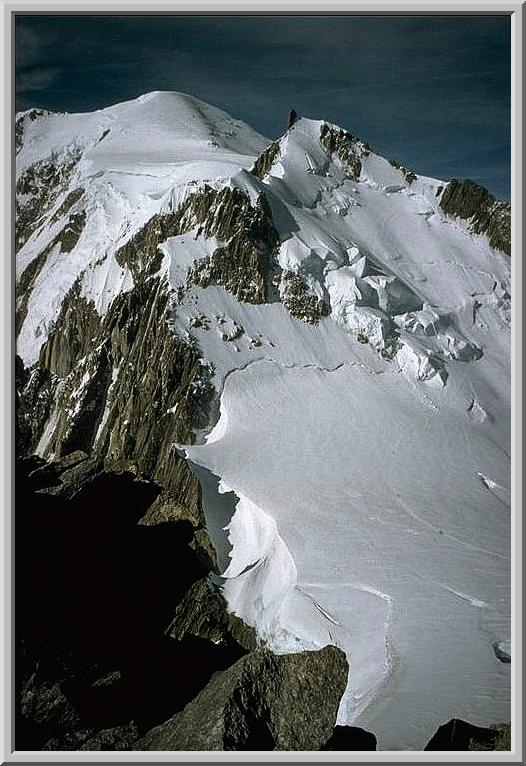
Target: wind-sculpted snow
357,336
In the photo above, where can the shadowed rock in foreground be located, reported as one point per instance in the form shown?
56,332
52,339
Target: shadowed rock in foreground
350,738
263,702
461,735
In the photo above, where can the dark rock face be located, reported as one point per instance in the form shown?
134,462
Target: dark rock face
166,507
350,738
293,118
75,326
116,738
34,398
203,613
140,254
460,735
474,203
263,702
44,703
91,367
70,234
95,596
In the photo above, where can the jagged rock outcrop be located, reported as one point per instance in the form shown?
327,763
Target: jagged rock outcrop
461,735
38,188
293,118
263,702
22,121
203,613
407,174
45,704
34,400
266,160
103,374
345,146
485,214
244,264
70,234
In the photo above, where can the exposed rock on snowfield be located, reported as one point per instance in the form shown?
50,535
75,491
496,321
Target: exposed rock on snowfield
38,188
343,145
263,702
243,266
321,336
485,215
266,160
297,299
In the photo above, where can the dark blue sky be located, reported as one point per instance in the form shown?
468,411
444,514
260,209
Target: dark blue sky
432,92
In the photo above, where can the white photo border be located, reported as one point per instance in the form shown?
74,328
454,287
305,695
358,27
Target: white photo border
237,7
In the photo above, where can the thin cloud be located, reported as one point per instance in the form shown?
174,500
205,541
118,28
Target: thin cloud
36,79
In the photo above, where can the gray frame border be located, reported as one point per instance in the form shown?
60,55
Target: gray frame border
294,7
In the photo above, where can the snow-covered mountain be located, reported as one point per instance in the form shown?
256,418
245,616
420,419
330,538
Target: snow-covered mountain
319,334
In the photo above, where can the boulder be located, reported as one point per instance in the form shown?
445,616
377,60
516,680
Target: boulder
457,734
263,702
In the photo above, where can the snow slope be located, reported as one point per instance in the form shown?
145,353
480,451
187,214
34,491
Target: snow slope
369,453
374,506
138,158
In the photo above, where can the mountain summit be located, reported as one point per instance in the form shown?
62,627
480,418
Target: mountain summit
322,337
